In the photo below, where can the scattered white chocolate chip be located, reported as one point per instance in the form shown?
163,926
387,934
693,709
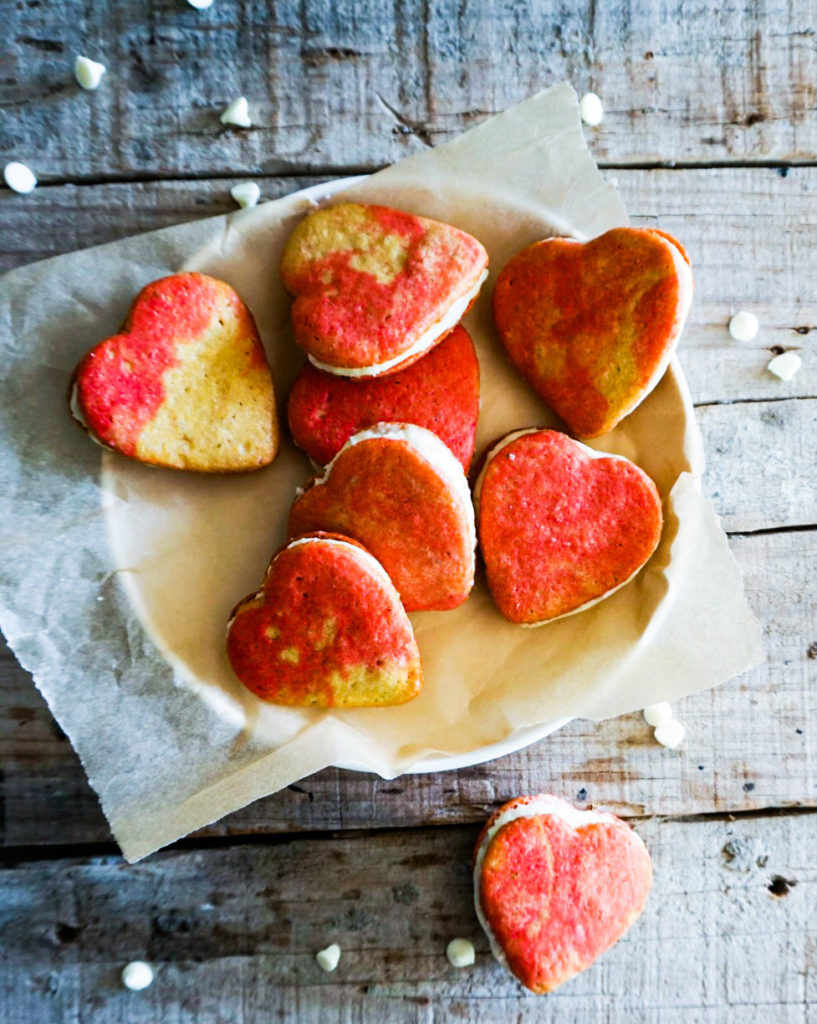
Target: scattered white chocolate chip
329,958
88,72
137,975
591,109
460,953
19,178
200,5
237,113
658,714
247,193
785,365
670,734
743,326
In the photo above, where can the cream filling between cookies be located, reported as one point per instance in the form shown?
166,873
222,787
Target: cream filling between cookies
79,416
433,451
541,804
591,453
446,323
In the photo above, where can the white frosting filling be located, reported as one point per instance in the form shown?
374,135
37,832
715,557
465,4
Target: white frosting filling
79,416
591,453
542,804
435,452
449,320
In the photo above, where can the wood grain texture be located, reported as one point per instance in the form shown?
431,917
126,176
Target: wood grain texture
363,83
751,744
232,933
749,231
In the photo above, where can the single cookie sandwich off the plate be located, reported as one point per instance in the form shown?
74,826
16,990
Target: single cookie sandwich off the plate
185,384
439,392
376,288
554,887
593,325
398,490
327,629
561,526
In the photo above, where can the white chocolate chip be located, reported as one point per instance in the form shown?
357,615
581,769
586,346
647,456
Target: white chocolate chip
88,72
785,365
671,734
460,953
591,109
246,194
200,5
137,975
19,178
329,958
237,113
743,326
658,714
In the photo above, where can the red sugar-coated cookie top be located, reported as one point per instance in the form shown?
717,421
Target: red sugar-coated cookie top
388,496
185,383
592,325
557,893
327,629
439,392
369,281
559,527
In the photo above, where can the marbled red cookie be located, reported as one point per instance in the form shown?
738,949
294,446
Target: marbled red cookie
592,325
439,392
376,288
400,492
185,384
326,630
561,526
554,887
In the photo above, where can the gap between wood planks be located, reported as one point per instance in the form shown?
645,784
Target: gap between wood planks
14,856
347,171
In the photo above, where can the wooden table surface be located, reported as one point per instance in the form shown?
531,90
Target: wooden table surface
710,130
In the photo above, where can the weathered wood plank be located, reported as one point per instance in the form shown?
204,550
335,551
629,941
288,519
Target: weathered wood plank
232,933
362,83
767,220
738,737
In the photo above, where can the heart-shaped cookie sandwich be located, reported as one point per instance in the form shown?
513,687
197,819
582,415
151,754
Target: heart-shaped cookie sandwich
439,392
185,384
561,526
376,288
592,325
554,887
326,630
400,492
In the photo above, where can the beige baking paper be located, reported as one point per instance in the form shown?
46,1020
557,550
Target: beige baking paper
118,579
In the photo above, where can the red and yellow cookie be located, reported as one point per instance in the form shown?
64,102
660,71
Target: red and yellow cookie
376,288
561,526
592,325
400,492
554,887
439,392
185,384
326,630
